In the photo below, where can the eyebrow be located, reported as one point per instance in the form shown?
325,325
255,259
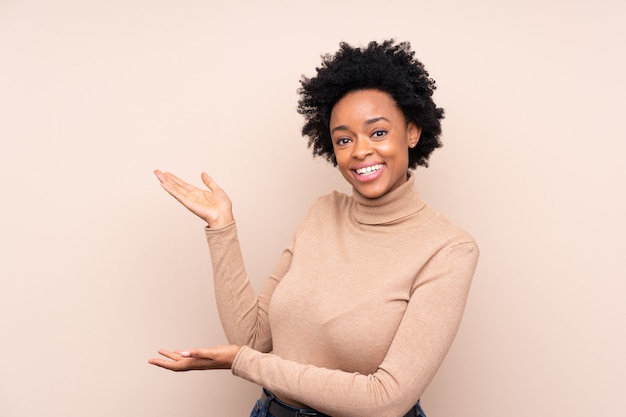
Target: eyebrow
367,122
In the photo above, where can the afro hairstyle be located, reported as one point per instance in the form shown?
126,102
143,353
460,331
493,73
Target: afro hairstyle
387,66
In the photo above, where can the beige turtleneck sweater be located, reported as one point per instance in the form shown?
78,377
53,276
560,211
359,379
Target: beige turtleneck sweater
360,310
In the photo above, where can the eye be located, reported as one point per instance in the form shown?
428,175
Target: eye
379,134
342,141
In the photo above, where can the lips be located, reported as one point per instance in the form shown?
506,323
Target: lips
369,169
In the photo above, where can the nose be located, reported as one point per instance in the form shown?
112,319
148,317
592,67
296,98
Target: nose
362,148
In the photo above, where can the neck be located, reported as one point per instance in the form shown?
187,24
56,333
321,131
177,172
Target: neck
390,207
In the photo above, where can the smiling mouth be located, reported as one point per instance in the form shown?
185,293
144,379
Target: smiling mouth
370,169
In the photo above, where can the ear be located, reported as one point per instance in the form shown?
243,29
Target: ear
413,133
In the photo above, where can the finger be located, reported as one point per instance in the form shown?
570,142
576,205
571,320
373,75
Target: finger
166,176
167,179
185,353
195,353
176,187
174,179
209,182
172,366
171,355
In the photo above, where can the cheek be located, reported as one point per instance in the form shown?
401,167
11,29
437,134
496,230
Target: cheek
395,151
342,159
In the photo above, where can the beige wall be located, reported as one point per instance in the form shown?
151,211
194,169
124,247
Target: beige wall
99,267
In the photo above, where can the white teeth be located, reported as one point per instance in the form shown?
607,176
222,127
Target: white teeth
369,169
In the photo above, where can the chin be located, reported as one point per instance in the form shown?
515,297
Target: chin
371,192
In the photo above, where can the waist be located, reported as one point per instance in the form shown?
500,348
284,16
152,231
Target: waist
278,408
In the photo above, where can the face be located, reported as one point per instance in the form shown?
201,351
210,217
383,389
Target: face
371,140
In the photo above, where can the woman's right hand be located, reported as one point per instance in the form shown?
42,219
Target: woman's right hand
212,205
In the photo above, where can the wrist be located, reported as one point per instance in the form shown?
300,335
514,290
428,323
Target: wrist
238,353
220,222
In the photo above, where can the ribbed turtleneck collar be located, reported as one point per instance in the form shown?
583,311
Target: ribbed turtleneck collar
389,208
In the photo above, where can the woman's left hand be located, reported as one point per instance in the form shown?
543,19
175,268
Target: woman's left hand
217,357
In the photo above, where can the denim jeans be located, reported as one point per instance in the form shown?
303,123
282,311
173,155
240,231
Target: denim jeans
260,409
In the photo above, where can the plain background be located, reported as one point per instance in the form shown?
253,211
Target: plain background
99,267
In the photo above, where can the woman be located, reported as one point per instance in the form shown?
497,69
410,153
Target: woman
364,303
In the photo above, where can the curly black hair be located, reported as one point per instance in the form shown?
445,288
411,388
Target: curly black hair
387,66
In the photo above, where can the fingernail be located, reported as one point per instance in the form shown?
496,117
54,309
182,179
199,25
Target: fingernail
185,354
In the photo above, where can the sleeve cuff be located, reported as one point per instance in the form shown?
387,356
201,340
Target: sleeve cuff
209,230
240,359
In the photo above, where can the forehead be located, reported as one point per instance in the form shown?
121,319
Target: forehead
364,105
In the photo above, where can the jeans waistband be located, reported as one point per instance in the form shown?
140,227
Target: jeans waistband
277,408
280,409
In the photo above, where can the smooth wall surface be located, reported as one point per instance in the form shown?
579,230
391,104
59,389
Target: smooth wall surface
99,268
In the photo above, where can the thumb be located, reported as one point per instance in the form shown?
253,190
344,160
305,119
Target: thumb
209,182
195,353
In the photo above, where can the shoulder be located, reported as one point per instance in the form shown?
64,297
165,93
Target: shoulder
326,214
331,204
443,231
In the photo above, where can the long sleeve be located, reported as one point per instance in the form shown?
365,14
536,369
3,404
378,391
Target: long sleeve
360,310
243,315
420,343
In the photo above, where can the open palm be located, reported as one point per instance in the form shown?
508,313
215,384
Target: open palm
211,205
217,357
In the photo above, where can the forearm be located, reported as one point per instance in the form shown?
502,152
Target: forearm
236,300
419,346
334,392
244,316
